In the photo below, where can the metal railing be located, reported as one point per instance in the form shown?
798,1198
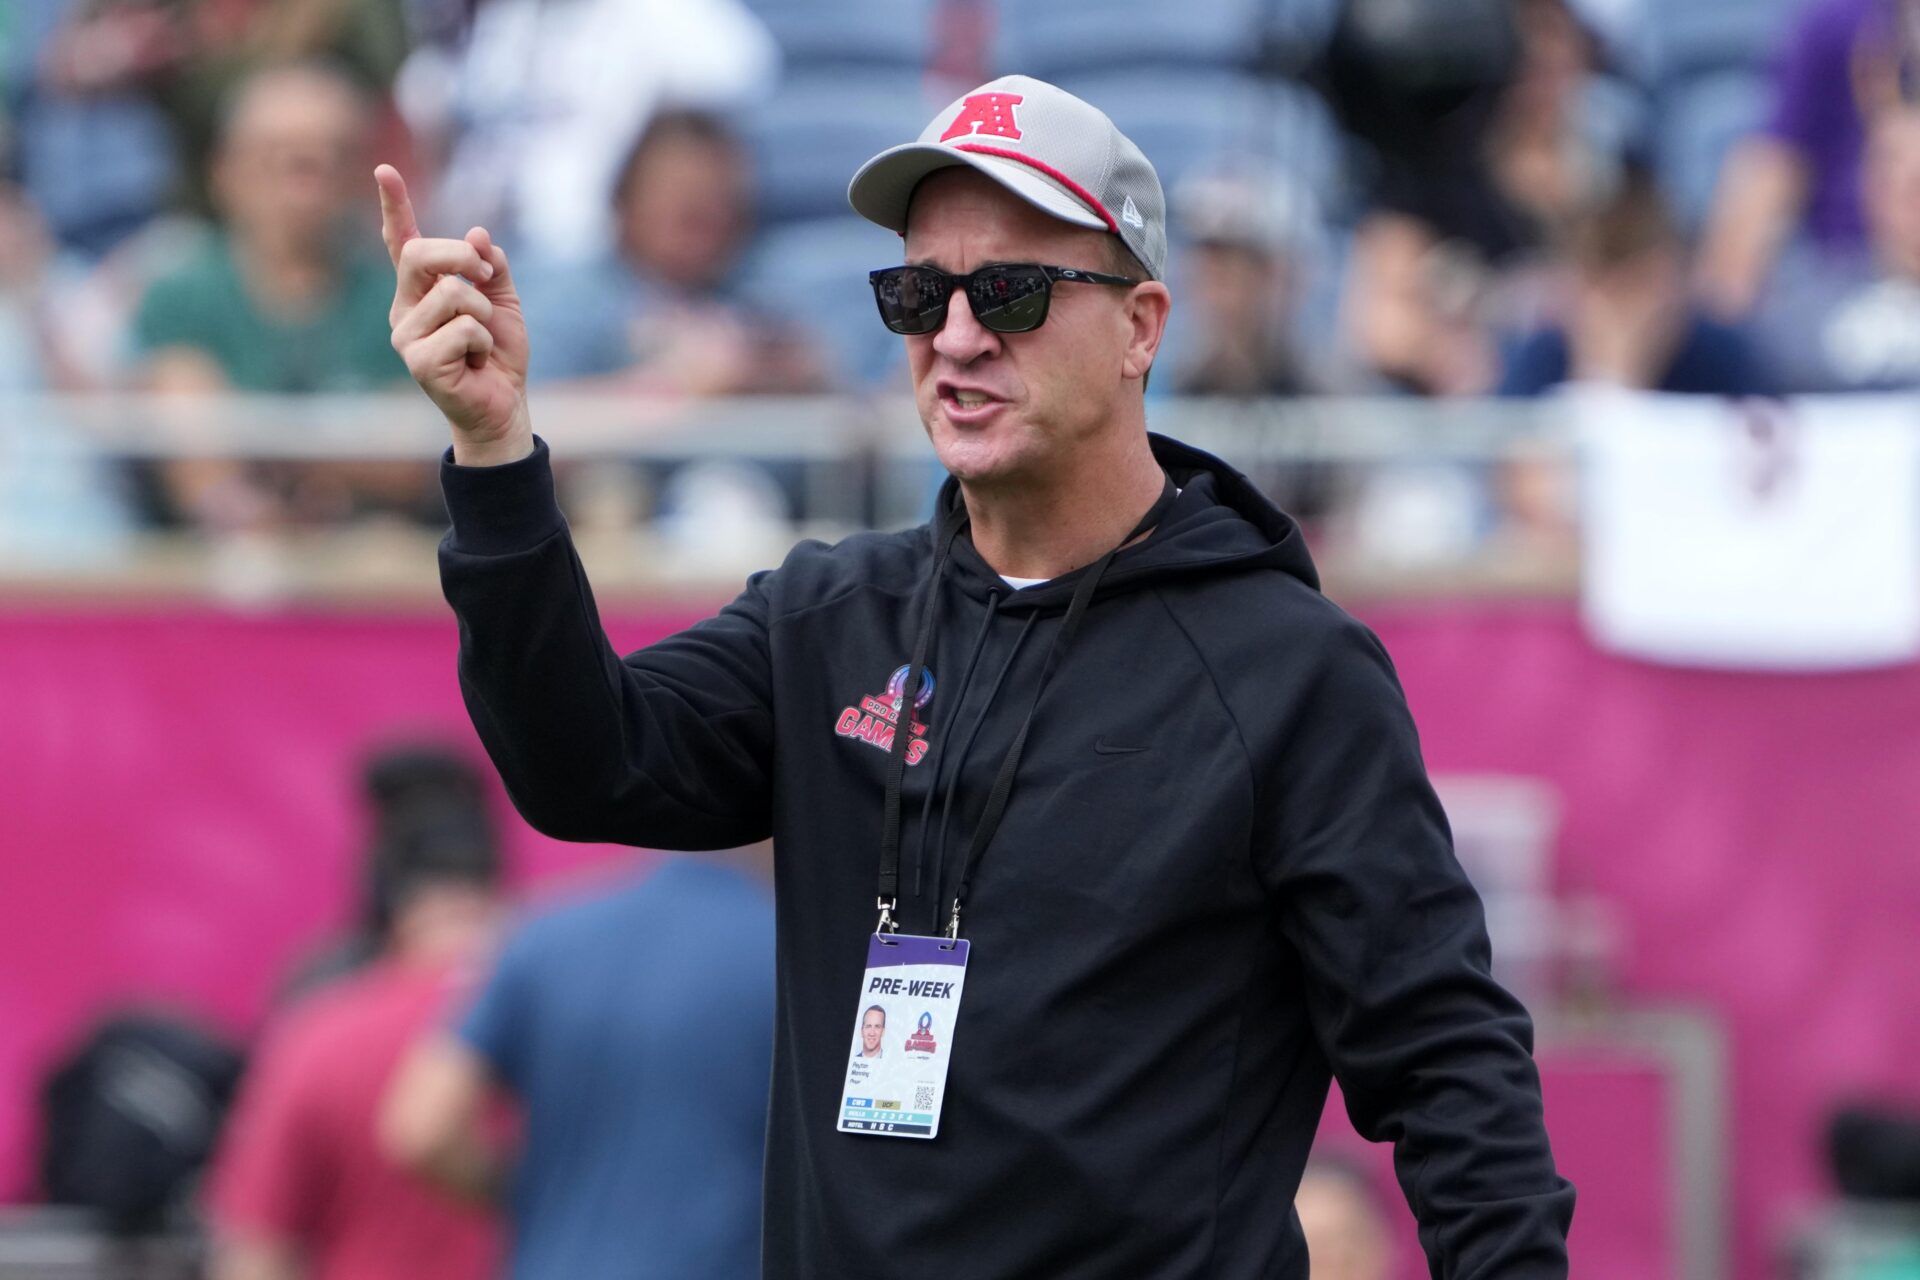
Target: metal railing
838,464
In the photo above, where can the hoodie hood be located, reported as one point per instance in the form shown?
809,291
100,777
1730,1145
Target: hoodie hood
1219,523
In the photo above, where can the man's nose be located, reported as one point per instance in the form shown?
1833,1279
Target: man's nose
963,339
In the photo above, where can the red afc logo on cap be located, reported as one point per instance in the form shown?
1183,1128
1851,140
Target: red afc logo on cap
986,114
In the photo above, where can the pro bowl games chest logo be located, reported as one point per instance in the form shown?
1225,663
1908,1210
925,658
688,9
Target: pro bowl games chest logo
876,718
922,1041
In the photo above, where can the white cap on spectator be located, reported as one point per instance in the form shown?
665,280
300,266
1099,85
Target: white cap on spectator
1056,152
1245,205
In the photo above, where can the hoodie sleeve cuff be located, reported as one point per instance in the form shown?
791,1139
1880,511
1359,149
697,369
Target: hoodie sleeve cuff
504,509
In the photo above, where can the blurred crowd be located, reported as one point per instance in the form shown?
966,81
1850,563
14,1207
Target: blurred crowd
1422,198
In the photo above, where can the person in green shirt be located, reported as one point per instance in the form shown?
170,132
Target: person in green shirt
274,301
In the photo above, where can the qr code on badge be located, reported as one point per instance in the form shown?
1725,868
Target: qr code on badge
922,1097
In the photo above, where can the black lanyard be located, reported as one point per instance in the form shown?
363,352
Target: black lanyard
1003,783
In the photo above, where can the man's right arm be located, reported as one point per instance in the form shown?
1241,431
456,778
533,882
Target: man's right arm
668,748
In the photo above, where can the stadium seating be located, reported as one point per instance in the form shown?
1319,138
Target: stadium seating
1194,119
814,274
818,127
1686,38
1701,118
1054,38
820,34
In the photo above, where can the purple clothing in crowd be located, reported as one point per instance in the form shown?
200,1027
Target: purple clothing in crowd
1815,110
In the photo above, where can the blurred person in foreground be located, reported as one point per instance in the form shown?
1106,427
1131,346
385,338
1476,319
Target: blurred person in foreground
1195,883
279,299
301,1189
1841,66
397,782
634,1028
1856,326
1343,1221
1628,320
658,312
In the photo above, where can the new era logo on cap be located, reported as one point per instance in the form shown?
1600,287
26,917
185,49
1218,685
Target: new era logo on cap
1041,143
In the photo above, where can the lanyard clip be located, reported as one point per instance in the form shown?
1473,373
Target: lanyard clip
886,924
953,922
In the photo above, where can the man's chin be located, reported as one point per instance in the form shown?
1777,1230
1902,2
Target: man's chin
974,456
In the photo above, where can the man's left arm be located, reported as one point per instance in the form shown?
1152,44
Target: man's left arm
1431,1053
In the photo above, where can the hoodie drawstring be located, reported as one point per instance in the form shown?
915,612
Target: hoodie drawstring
889,896
966,750
946,735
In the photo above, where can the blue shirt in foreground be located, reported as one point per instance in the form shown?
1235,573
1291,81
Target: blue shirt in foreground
636,1030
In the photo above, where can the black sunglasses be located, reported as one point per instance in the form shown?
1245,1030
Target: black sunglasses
1007,298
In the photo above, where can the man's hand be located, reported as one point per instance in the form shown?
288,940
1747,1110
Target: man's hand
457,323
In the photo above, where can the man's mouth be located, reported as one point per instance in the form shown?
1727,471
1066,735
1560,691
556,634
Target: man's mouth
968,405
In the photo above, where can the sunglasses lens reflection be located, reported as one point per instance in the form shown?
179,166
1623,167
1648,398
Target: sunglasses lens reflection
911,300
1009,299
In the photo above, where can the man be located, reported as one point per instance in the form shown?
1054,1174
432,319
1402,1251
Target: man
1183,830
301,1191
632,1028
277,300
873,1025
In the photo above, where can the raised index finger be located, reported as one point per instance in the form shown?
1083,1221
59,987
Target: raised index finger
397,223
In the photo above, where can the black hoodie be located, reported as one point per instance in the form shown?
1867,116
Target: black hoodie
1220,874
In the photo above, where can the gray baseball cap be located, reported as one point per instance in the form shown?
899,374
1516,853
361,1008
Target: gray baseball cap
1056,152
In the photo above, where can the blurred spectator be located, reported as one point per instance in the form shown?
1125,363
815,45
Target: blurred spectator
397,782
283,298
1856,326
301,1190
1843,63
1246,237
1341,1217
1483,153
1242,236
636,1031
94,148
25,247
118,99
1629,322
659,312
531,105
57,501
365,40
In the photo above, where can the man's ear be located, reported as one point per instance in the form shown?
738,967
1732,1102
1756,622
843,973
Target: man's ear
1147,306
